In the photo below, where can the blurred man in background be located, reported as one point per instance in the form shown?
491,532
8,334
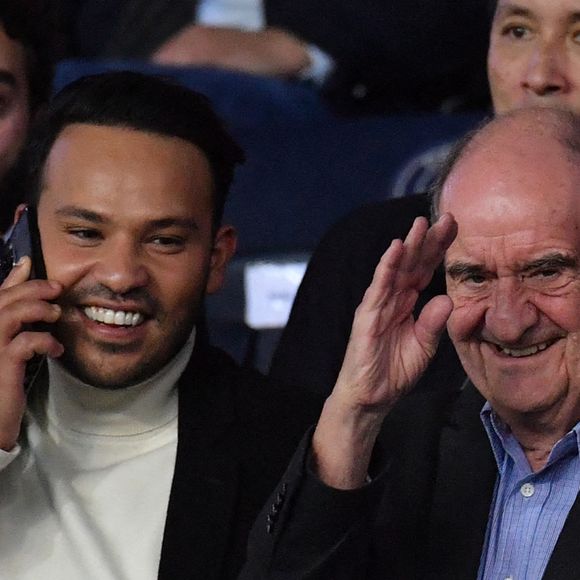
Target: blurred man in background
25,76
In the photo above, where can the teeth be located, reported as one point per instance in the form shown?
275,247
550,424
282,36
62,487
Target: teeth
519,352
114,317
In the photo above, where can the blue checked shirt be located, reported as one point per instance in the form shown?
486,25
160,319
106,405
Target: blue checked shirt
528,509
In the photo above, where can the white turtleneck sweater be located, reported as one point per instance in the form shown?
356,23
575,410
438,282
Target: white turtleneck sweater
85,497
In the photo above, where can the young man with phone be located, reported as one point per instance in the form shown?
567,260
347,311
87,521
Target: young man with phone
140,452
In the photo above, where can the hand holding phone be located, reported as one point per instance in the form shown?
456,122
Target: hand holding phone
24,305
22,239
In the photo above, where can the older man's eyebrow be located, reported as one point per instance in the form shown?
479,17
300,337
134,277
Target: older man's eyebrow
465,269
551,261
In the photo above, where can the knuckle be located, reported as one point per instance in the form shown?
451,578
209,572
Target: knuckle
27,344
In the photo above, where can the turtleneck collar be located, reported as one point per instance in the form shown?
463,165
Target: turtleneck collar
77,407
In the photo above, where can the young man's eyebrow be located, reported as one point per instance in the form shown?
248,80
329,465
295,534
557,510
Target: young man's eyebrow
554,260
72,211
462,269
172,222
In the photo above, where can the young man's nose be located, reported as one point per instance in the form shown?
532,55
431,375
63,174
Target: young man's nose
121,267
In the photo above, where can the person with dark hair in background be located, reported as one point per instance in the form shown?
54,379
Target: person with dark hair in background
138,451
533,59
25,82
367,57
482,481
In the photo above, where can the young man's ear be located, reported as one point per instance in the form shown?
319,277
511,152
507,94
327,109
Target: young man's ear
224,247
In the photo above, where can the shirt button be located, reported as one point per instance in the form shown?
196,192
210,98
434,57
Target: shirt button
527,490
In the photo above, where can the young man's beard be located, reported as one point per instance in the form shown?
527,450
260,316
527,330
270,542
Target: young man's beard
97,373
105,368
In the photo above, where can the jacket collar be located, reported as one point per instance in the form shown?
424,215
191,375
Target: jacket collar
205,480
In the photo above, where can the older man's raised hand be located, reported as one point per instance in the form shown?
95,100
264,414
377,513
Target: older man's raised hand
387,352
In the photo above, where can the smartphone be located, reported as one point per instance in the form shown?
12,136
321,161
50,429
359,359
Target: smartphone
22,239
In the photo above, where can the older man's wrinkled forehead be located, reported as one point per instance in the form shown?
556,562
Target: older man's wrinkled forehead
528,155
518,168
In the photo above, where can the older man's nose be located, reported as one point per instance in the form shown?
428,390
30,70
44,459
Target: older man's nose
510,314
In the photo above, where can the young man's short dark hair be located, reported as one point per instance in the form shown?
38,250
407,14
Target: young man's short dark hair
141,102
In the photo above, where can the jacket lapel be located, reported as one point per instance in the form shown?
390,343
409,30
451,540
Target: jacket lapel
564,560
464,486
205,481
464,489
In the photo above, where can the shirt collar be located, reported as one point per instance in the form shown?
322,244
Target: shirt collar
504,443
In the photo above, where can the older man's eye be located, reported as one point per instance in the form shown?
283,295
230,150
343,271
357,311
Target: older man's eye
475,279
546,273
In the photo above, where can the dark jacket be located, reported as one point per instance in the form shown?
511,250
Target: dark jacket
424,516
236,433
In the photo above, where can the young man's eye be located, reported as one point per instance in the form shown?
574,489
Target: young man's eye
168,242
84,234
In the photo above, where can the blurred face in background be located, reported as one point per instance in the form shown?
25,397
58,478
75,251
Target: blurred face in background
534,54
14,101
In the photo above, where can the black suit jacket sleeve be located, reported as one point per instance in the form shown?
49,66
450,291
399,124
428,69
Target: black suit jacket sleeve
310,531
314,341
382,530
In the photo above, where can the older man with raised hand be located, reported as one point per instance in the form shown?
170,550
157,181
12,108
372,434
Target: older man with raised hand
533,59
482,483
